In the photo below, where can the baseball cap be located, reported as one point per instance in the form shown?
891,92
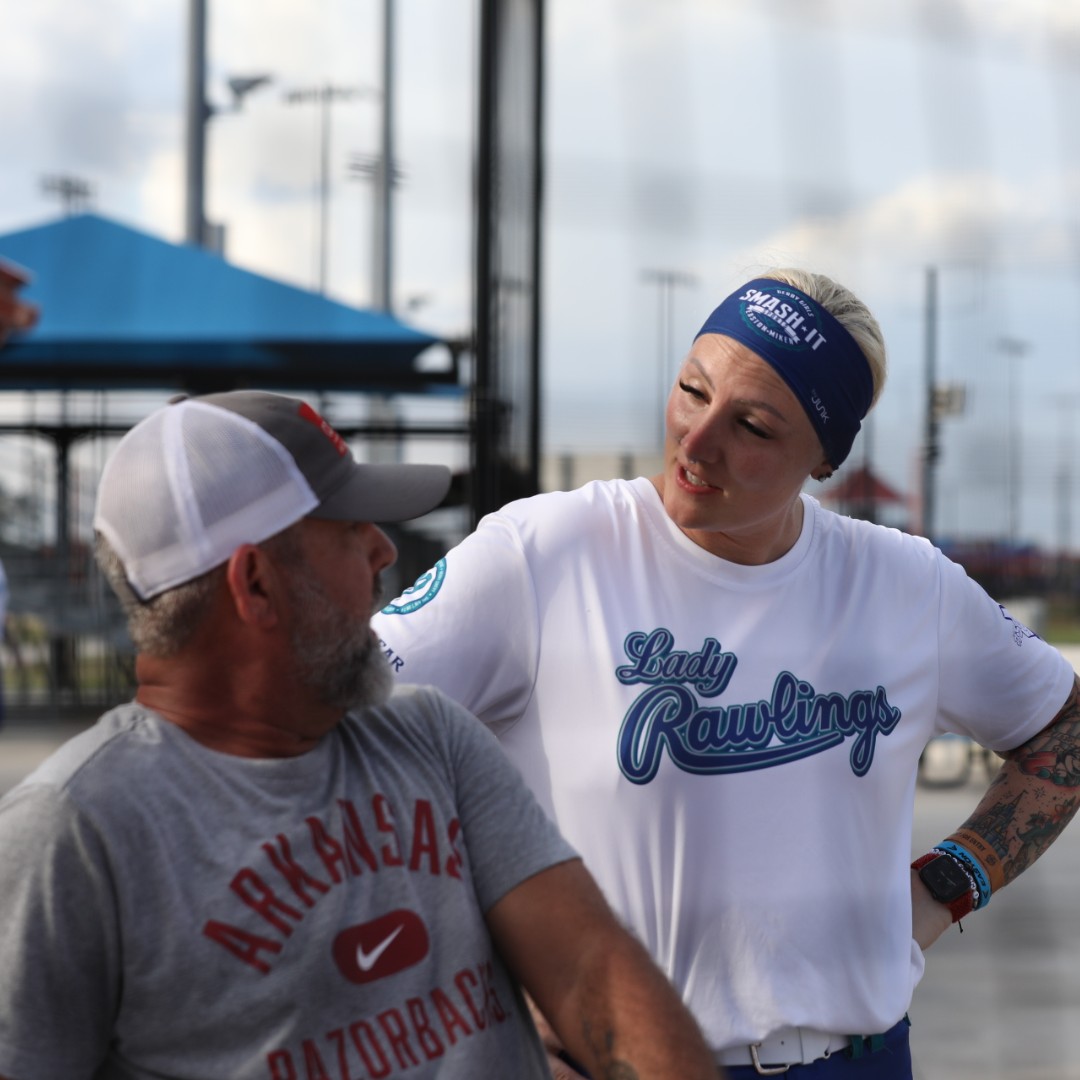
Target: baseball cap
200,476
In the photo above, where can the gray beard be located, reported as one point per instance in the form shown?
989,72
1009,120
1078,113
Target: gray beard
337,655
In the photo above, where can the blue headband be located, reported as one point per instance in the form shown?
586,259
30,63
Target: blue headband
809,350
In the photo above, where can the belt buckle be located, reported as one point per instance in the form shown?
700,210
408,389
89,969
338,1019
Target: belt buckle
765,1070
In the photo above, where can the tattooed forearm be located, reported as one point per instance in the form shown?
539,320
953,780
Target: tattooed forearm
1054,754
1034,796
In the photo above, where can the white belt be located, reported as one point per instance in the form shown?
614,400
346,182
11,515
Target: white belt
784,1048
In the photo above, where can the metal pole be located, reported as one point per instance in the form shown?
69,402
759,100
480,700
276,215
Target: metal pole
1064,490
1014,445
382,240
930,447
196,114
666,280
324,184
667,288
1014,451
1014,351
484,492
536,264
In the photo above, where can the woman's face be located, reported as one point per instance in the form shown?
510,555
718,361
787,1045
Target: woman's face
739,448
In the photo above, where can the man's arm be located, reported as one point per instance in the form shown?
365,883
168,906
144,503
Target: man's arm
610,1005
1033,797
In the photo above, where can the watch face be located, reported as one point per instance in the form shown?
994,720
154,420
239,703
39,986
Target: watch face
945,880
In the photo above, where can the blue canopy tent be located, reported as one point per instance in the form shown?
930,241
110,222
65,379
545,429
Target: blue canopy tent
122,309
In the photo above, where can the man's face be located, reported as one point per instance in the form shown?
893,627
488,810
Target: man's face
334,591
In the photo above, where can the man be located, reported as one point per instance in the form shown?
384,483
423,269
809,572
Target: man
262,867
15,314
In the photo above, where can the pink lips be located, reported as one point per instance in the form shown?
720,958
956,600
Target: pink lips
685,484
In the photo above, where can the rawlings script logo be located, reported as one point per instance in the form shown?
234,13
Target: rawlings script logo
785,323
794,722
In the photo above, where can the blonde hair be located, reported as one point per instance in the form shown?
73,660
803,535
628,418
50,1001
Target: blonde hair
849,311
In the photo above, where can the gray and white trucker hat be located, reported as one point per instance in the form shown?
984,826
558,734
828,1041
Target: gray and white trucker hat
199,477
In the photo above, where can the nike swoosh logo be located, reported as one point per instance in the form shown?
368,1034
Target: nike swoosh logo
367,960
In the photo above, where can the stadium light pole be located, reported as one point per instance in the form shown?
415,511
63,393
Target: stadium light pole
1063,482
324,96
931,446
383,238
385,175
196,115
1014,350
75,193
666,282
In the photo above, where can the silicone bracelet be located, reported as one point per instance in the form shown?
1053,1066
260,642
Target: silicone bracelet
982,882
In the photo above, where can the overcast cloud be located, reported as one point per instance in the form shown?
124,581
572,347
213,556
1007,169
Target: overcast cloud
867,140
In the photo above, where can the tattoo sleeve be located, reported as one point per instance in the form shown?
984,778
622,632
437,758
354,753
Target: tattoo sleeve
1033,797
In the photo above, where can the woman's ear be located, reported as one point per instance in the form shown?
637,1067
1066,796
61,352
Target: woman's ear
822,471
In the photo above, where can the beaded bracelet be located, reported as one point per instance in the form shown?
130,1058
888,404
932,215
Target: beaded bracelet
973,867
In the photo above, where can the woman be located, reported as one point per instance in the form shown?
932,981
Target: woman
720,691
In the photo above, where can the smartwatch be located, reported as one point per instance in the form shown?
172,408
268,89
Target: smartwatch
949,884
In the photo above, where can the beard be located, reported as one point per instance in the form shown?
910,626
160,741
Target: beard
337,655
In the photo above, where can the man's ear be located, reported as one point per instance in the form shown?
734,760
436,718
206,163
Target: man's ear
255,586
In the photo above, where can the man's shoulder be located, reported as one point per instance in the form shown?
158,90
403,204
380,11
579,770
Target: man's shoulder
420,716
95,748
416,705
92,773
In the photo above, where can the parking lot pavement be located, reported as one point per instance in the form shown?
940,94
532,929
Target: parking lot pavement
1001,1000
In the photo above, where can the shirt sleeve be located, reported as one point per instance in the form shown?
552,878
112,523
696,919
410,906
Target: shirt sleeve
58,945
1000,683
507,835
469,626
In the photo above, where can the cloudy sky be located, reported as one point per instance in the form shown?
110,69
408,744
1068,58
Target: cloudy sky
705,137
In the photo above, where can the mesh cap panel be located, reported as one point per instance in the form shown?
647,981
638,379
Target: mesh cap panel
189,485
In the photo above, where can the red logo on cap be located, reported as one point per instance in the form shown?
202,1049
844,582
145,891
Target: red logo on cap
312,417
382,947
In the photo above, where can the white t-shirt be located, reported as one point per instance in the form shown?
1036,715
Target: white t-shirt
733,749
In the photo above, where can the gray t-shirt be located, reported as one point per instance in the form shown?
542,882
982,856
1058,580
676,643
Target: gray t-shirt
175,913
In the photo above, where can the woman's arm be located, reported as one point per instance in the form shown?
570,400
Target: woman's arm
1034,795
